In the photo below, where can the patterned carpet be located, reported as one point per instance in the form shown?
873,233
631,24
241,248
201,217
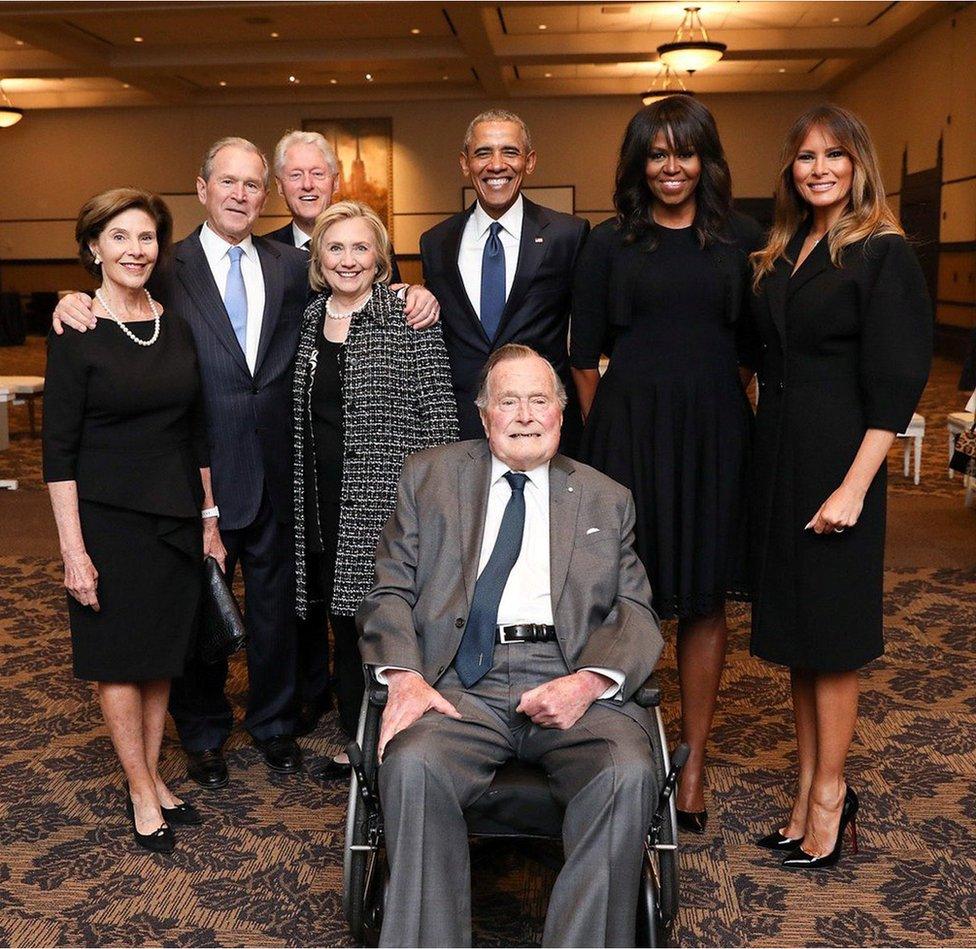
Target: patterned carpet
266,868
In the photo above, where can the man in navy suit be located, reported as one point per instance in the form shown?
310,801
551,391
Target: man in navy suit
502,270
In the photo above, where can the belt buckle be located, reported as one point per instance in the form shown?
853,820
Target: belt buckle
503,637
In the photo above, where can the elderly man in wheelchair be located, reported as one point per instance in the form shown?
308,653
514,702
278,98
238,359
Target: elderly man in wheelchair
511,623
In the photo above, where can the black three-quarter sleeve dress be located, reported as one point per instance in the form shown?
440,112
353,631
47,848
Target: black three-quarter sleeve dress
670,419
126,423
843,350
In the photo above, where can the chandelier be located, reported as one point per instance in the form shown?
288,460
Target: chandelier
8,114
671,85
685,52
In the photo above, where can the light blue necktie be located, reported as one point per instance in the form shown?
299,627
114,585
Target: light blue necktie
492,281
235,297
477,650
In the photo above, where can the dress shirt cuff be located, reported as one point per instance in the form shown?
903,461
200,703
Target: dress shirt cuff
381,671
614,691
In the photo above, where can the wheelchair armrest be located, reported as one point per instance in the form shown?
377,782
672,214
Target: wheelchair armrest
376,690
649,694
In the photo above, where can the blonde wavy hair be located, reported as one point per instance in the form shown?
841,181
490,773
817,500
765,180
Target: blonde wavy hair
344,211
867,213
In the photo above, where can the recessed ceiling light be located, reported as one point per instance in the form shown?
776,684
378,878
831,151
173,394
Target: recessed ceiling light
333,81
369,77
275,36
542,26
782,70
292,79
19,42
125,85
836,19
136,39
223,82
415,31
548,75
444,77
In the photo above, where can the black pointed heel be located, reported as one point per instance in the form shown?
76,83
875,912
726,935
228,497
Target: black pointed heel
778,841
160,840
801,860
694,822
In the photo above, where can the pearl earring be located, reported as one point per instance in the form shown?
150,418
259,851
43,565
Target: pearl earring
98,261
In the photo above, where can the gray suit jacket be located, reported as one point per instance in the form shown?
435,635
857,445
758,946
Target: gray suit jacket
427,565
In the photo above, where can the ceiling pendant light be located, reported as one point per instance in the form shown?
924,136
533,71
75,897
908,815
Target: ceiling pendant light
8,114
671,85
685,53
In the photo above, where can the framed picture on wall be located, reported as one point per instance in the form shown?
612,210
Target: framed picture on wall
364,148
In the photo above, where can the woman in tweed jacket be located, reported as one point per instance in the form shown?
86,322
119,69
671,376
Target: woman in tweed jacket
368,391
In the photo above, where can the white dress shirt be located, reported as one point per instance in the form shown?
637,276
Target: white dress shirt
299,237
216,250
473,240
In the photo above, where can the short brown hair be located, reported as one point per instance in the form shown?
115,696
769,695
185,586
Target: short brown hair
97,211
508,353
345,211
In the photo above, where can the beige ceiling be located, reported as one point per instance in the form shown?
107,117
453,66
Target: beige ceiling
86,54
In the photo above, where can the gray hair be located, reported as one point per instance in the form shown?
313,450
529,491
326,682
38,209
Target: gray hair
298,137
497,115
232,141
508,353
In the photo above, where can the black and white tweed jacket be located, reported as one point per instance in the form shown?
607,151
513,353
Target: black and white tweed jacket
397,399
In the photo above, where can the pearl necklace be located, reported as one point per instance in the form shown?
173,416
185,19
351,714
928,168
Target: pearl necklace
332,315
125,329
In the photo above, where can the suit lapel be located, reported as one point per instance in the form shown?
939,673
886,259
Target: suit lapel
564,502
451,249
194,273
532,248
816,262
473,477
274,289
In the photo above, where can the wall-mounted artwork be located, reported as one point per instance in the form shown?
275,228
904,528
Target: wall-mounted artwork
365,151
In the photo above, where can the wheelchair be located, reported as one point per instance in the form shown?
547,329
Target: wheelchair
517,804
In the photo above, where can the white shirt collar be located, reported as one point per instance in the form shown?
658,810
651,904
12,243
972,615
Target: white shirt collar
511,220
538,476
298,236
215,247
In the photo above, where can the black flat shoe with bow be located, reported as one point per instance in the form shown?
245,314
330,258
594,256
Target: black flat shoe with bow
160,840
184,813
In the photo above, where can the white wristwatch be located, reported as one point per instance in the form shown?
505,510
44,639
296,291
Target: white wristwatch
210,512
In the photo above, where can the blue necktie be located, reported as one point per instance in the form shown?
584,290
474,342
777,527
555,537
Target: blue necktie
477,650
235,297
492,281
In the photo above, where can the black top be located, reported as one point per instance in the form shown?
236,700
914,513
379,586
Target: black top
327,435
126,422
670,419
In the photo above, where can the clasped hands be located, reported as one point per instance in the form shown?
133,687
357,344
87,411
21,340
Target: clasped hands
559,703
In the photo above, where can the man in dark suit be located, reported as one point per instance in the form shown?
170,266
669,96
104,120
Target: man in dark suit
307,172
243,298
511,618
502,269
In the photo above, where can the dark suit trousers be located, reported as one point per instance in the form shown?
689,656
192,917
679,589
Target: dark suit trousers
600,770
198,704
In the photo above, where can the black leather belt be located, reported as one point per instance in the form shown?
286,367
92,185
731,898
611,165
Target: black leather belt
525,633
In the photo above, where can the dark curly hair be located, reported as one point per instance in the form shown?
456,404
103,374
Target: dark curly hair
97,211
686,124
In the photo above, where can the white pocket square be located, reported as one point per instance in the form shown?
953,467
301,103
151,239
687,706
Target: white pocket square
593,530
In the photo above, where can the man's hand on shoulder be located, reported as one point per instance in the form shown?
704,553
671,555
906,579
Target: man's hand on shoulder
562,702
409,697
422,309
74,311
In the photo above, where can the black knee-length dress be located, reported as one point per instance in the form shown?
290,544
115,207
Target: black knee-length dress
670,419
126,423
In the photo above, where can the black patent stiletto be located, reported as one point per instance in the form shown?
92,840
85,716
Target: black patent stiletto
778,841
801,860
692,821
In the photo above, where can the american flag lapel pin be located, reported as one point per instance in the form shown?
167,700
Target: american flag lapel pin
538,240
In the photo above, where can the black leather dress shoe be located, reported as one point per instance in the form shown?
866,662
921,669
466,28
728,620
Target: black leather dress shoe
281,754
207,768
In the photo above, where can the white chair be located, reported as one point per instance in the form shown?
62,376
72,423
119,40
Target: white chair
913,436
25,389
5,397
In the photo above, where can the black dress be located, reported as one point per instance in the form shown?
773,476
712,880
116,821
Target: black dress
670,419
125,422
843,350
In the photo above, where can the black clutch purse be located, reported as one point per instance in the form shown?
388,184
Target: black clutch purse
222,627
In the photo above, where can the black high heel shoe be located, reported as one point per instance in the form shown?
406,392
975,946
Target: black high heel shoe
778,841
801,860
692,821
160,840
184,813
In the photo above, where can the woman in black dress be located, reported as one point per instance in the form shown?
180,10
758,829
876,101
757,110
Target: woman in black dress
845,325
125,460
659,289
368,391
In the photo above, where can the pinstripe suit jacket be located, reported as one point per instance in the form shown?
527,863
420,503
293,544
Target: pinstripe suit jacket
248,416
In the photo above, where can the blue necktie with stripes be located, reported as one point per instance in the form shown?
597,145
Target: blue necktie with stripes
477,650
235,297
492,281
